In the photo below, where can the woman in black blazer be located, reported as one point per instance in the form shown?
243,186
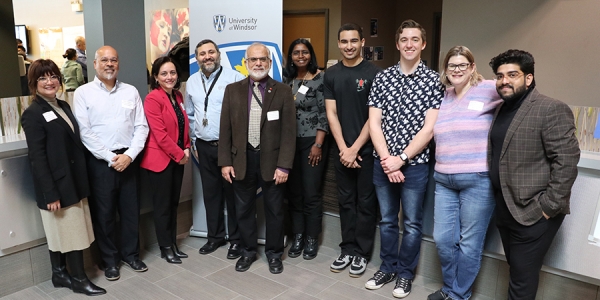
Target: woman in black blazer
57,160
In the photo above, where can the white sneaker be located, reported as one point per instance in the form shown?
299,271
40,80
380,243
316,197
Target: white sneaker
341,263
379,279
358,266
402,289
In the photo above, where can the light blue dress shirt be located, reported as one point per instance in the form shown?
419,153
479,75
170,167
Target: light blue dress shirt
194,102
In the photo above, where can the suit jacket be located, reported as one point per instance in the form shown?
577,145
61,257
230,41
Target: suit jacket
56,155
277,137
161,146
538,160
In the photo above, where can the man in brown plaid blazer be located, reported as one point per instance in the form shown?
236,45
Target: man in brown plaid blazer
533,156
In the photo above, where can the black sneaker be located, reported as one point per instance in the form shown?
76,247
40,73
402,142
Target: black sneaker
439,295
402,288
341,263
379,279
358,266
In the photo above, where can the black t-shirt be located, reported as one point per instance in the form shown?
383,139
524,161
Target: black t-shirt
350,87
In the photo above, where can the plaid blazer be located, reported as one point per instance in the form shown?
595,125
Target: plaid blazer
538,161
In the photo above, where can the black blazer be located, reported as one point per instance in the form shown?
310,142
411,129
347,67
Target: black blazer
56,155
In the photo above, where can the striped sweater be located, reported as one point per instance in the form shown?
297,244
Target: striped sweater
461,129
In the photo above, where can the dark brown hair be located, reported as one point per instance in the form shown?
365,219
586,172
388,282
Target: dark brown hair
411,24
159,62
41,68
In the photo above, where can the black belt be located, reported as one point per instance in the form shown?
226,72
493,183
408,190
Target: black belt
212,143
120,151
252,148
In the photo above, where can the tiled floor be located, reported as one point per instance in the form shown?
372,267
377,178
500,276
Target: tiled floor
214,277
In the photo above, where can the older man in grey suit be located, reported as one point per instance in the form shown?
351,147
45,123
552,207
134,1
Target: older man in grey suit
533,156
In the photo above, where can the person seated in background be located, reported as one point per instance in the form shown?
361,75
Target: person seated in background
72,71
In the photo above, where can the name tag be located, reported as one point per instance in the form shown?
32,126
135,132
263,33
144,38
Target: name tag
182,108
475,105
49,116
127,104
273,115
303,89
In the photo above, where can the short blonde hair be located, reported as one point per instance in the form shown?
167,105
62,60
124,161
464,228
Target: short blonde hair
466,53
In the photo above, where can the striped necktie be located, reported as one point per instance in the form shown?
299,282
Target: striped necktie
254,120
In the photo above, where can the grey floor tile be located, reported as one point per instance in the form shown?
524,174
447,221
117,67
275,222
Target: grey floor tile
185,285
294,295
138,288
253,286
33,293
20,276
298,278
66,294
159,269
342,290
204,265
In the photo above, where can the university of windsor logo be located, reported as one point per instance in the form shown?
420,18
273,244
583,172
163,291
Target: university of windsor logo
219,22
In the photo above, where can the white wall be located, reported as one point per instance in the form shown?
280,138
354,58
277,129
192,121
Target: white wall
562,35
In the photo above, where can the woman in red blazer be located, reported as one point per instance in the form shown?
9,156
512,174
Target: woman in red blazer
167,151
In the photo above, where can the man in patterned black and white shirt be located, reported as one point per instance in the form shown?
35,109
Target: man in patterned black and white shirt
404,103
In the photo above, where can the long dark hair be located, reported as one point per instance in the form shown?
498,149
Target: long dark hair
290,69
156,68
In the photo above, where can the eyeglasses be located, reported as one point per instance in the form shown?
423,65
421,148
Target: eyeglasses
510,75
46,79
105,60
303,52
255,59
462,67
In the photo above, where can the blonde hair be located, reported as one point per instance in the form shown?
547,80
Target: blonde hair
466,53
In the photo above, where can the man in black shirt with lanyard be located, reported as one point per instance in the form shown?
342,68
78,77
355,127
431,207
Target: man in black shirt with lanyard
203,100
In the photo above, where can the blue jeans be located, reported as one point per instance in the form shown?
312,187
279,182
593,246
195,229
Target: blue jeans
410,194
464,204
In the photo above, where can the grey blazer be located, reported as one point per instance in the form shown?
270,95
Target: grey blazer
277,137
538,161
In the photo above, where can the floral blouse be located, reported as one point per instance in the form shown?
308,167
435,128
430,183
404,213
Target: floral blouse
310,107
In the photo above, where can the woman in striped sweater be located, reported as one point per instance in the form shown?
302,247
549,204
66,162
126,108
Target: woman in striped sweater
464,201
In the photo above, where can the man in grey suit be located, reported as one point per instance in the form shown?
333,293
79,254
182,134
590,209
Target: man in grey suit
257,142
533,156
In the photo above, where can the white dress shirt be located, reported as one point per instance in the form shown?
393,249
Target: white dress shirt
110,120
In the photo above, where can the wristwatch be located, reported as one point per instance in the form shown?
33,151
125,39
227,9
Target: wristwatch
404,157
318,145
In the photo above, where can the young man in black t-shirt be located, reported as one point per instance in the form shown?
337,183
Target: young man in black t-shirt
347,86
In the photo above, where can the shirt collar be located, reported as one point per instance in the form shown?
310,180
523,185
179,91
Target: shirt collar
262,82
103,86
418,71
212,75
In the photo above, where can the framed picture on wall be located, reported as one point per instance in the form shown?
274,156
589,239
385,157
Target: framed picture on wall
373,27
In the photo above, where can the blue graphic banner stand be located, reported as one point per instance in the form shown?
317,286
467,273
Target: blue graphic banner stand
234,25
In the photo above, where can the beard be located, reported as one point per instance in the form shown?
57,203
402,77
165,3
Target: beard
210,68
258,74
515,96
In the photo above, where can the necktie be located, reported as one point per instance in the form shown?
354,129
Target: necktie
254,122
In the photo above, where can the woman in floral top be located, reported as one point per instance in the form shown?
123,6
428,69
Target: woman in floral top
305,182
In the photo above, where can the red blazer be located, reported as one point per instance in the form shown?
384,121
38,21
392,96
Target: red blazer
161,146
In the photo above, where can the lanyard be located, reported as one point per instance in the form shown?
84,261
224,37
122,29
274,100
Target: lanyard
210,88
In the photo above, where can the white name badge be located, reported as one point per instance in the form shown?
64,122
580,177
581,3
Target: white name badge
273,115
49,116
127,104
182,108
303,89
475,105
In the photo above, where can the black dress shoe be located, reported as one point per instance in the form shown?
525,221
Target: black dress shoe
85,286
168,253
178,252
311,247
235,251
137,265
275,265
111,273
211,247
244,263
297,245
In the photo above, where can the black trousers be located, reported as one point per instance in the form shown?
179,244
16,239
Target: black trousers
245,207
305,183
358,206
525,248
217,193
163,189
115,192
